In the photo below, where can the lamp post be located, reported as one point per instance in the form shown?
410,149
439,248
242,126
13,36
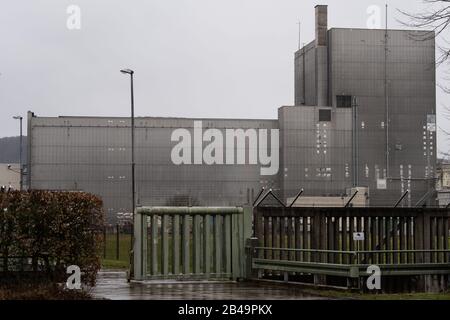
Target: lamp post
133,184
20,152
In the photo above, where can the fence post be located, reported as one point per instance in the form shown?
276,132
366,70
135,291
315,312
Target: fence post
419,226
250,245
242,230
117,241
138,270
104,242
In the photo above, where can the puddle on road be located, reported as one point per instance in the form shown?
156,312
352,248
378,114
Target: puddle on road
113,285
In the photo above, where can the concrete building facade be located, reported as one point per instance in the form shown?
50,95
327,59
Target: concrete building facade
10,176
364,117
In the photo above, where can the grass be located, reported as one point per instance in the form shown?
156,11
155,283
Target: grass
334,294
110,260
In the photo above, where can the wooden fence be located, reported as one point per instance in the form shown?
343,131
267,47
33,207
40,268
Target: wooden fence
403,241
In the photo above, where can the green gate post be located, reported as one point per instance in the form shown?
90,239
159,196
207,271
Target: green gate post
241,231
250,245
138,272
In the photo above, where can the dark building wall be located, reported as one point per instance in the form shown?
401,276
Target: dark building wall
305,81
94,155
357,69
316,151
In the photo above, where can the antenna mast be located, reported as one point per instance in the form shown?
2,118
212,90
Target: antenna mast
386,97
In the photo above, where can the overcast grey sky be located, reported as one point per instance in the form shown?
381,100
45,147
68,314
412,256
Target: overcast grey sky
193,58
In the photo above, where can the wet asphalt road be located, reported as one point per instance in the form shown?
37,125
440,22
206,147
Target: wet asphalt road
113,285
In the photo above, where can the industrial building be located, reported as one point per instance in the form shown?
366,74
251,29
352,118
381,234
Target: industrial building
364,119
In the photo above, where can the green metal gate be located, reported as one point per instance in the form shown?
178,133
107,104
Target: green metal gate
190,243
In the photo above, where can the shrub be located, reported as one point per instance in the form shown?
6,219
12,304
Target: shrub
53,229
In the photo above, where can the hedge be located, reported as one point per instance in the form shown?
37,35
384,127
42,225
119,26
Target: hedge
53,229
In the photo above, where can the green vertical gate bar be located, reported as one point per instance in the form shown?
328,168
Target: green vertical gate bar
206,245
165,245
196,244
218,243
227,244
185,239
154,245
144,245
176,245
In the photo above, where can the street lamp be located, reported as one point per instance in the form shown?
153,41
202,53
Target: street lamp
20,152
133,185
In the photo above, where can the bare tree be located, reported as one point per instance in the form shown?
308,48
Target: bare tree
436,19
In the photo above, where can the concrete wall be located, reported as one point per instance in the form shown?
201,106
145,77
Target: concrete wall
9,177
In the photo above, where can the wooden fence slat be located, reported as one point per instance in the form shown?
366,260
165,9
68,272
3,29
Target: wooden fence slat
409,242
440,239
331,238
275,255
373,238
298,238
446,239
290,237
394,232
306,243
267,254
402,225
283,254
367,238
433,235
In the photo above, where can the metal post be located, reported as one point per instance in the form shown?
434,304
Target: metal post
20,156
117,241
133,184
104,242
20,118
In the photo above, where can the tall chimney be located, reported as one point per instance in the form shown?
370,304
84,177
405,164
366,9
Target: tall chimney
322,55
321,25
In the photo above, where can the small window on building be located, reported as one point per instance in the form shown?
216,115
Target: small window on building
325,115
343,101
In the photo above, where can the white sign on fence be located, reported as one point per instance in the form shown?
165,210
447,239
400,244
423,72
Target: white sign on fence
358,236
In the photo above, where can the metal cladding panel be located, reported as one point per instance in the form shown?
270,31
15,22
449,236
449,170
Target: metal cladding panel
94,155
358,69
316,155
305,75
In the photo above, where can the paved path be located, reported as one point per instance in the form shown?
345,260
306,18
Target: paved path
113,285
